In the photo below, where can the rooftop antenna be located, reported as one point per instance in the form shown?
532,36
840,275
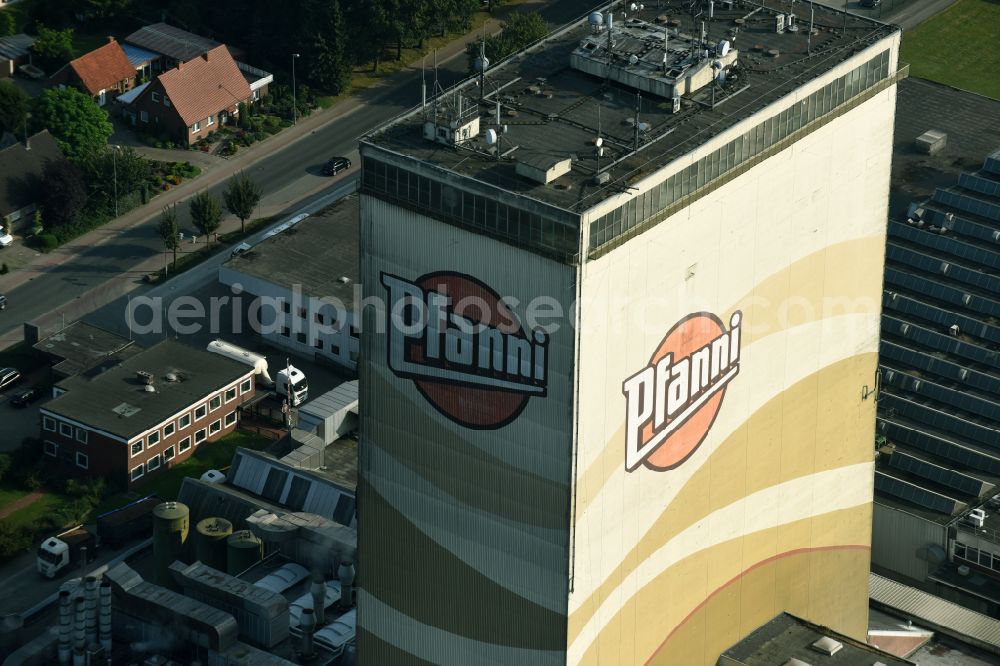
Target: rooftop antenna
423,83
599,143
638,107
809,35
611,42
666,45
845,17
437,87
482,65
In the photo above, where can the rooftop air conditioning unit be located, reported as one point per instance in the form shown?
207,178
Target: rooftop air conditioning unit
963,570
953,330
144,377
977,517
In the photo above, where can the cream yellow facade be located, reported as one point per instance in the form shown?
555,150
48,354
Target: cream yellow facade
771,511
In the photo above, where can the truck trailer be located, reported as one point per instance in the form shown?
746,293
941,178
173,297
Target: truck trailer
58,552
289,375
118,527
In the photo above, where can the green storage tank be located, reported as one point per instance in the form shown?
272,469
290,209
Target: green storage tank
243,551
171,522
210,541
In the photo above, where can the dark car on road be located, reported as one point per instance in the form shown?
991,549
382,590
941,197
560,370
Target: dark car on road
335,165
9,377
3,302
870,4
25,398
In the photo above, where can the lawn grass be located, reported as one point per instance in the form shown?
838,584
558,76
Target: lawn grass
213,455
9,495
29,515
958,47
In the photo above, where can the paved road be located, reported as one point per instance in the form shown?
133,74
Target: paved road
284,177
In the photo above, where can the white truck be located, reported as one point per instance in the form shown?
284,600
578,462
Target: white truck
66,548
287,375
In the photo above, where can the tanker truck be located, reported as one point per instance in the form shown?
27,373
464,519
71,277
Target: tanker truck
287,375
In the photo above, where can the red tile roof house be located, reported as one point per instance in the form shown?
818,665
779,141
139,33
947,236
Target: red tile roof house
195,98
104,73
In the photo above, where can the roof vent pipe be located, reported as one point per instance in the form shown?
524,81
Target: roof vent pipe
105,619
345,573
308,625
318,590
65,627
91,617
79,634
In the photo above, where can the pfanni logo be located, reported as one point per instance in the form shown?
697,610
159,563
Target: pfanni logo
464,349
672,403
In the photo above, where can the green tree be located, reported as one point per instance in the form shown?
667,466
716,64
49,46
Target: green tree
242,197
13,106
79,126
53,48
169,230
8,26
327,61
104,9
64,193
206,214
519,31
122,164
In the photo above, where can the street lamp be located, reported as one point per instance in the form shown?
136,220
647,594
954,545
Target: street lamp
295,108
114,168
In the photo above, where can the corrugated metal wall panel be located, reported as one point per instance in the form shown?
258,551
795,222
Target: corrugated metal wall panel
900,541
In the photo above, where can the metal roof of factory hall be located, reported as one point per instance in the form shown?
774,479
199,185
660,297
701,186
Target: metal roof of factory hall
551,109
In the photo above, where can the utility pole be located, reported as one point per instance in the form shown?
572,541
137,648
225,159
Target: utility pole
295,106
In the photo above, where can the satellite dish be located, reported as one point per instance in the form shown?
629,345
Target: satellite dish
596,19
633,59
599,141
634,7
600,151
644,127
724,47
491,137
482,64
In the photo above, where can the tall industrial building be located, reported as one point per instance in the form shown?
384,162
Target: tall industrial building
619,342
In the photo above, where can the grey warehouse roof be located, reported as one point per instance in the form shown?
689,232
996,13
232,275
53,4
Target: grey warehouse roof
314,254
15,46
551,109
170,41
116,400
787,640
80,346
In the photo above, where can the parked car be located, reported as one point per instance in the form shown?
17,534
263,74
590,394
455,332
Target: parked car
3,302
9,377
335,165
6,239
870,4
25,398
241,248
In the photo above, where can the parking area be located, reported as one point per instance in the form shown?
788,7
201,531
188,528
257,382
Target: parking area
16,423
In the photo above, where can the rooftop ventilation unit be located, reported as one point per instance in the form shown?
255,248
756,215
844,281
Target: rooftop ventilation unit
543,168
144,377
978,518
827,646
953,330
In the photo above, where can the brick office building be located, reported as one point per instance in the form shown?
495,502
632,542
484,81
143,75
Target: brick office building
148,413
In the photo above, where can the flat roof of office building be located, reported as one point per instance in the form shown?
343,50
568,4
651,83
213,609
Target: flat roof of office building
552,110
313,254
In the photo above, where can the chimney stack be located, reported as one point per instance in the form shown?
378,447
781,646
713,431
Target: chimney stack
105,619
79,634
111,39
346,575
91,617
307,623
319,600
65,627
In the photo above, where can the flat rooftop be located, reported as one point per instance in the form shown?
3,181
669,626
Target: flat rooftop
787,638
554,111
117,401
313,253
80,346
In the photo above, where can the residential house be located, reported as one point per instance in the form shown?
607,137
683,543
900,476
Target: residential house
21,167
148,413
194,99
103,73
15,50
